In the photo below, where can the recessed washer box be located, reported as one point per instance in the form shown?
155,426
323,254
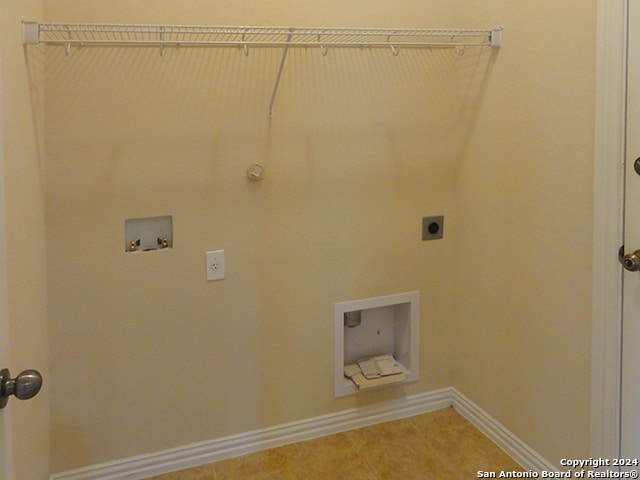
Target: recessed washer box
388,325
148,234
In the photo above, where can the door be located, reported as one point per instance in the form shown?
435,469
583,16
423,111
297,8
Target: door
5,454
6,470
630,387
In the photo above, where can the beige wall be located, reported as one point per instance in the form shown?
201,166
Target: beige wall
355,155
22,134
362,145
524,241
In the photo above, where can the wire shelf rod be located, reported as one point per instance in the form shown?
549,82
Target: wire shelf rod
223,36
195,43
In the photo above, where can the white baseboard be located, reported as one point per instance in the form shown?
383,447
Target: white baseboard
143,466
528,458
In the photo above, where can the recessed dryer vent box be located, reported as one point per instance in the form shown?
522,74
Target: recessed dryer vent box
148,234
388,325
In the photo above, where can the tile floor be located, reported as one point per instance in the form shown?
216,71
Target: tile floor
436,445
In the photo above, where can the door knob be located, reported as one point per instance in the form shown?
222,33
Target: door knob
631,261
25,386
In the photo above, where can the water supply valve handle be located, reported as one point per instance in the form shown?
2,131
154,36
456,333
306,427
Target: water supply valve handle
25,386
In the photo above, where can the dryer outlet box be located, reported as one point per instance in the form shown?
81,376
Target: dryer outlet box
433,227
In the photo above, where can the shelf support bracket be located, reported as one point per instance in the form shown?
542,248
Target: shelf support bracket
496,37
30,33
275,87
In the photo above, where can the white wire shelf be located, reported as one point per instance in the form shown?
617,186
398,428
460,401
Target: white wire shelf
97,34
245,38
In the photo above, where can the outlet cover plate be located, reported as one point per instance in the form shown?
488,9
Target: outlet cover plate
215,265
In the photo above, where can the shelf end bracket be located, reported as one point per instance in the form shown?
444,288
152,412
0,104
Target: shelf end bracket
30,33
496,37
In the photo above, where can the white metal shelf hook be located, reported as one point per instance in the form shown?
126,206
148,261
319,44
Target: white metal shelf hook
245,47
323,49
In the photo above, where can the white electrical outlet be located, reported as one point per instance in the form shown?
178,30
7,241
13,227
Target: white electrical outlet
215,265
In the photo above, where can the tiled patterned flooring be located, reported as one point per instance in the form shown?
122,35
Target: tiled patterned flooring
436,445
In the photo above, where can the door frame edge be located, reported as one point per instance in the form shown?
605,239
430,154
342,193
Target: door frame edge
609,152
